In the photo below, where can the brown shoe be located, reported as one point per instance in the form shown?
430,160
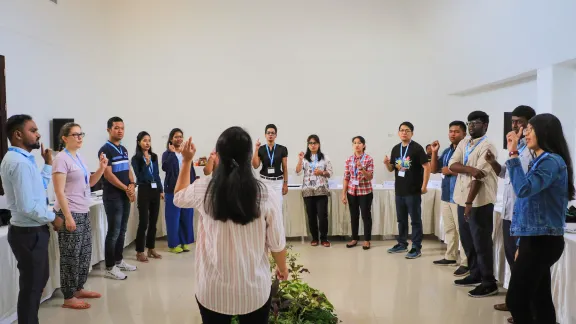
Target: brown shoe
501,307
325,244
352,244
314,243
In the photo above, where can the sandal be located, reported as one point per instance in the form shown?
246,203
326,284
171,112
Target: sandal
325,244
314,243
87,294
78,306
141,257
352,244
153,254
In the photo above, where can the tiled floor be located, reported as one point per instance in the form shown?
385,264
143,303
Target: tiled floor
365,287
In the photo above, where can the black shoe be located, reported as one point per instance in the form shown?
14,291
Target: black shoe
462,271
484,290
467,282
444,262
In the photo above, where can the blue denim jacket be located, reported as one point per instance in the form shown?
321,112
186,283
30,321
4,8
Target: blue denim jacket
448,182
542,196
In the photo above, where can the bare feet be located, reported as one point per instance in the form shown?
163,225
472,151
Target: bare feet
86,294
75,303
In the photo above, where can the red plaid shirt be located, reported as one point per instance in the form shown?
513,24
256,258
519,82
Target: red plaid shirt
364,186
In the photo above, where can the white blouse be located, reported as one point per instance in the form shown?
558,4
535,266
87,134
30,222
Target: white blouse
232,266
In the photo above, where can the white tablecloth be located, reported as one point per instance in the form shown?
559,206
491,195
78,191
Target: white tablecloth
9,271
383,213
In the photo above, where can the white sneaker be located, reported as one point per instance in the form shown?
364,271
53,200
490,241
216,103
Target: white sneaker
115,273
126,267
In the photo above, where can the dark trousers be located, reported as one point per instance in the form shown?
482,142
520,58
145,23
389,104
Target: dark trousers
361,205
179,223
317,210
476,238
409,205
148,209
509,243
259,316
529,295
30,247
117,213
75,255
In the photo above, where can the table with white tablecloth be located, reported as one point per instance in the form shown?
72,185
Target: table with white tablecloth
8,267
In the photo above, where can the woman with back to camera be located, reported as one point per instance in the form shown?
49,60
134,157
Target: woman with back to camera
179,221
543,194
150,192
72,183
357,190
317,170
239,224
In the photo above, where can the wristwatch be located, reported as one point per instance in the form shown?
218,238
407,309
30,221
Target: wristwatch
513,153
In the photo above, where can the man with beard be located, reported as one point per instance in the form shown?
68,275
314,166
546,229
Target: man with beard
28,235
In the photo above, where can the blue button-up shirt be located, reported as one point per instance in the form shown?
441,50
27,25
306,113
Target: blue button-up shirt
449,181
25,188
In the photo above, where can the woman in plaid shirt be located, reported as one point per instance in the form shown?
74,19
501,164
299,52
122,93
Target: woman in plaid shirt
357,190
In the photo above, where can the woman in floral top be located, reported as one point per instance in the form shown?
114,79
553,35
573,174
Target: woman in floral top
317,169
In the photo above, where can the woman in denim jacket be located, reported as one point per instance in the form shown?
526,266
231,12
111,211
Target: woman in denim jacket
539,217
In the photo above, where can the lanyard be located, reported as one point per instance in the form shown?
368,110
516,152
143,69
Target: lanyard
150,166
403,155
448,156
469,149
271,155
356,166
78,163
314,163
538,159
119,150
521,149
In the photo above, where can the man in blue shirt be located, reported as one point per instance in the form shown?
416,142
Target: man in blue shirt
25,189
439,164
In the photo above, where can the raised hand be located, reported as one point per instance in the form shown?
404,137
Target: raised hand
512,139
387,160
301,156
171,148
490,158
147,157
188,150
257,145
103,163
435,146
213,155
46,154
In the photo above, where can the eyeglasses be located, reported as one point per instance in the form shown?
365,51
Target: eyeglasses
270,133
474,123
405,131
312,143
78,135
527,131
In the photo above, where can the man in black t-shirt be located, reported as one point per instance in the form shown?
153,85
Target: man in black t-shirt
412,170
118,193
274,160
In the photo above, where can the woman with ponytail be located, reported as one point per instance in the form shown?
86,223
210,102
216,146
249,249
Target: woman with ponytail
239,225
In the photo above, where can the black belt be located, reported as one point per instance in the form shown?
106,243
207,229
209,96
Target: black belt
29,230
272,178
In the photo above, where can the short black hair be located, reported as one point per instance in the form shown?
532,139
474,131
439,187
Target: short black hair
459,123
15,123
524,111
271,126
429,145
479,115
113,120
407,124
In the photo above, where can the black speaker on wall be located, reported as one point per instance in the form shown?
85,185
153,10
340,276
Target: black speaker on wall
507,127
57,124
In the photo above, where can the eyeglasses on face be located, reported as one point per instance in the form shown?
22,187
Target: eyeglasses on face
78,135
527,131
405,131
270,133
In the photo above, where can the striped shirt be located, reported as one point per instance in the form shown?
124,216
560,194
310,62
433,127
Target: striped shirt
358,185
232,268
118,160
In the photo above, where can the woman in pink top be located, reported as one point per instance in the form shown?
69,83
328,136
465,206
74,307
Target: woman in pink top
72,183
239,225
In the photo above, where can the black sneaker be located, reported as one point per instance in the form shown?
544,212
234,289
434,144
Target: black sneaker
484,290
462,271
467,282
445,262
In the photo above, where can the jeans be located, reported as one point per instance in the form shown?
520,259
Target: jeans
529,295
409,205
117,213
317,211
476,238
361,205
148,209
259,316
30,247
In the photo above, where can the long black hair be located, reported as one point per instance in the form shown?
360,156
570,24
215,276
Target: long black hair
172,133
308,155
551,139
234,193
138,153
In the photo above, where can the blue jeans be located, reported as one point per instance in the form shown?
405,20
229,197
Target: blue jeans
117,213
409,205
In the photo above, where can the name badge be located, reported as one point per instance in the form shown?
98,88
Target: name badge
355,182
401,173
153,185
271,170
